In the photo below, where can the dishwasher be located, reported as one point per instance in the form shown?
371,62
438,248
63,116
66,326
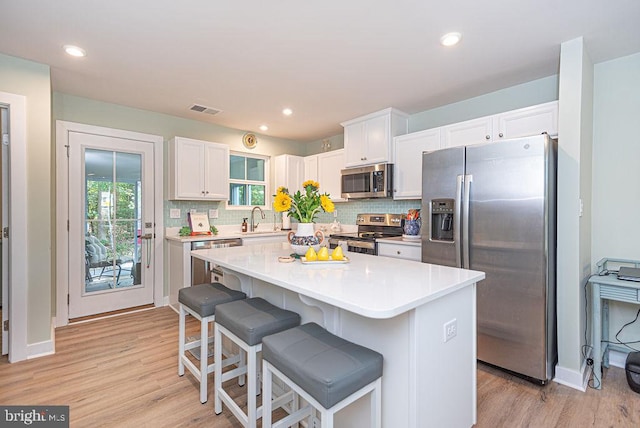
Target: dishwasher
201,272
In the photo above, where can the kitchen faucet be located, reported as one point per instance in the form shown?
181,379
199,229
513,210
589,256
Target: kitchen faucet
254,225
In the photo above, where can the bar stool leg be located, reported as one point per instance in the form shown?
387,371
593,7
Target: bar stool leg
204,353
217,380
252,387
181,335
243,362
266,397
376,405
326,419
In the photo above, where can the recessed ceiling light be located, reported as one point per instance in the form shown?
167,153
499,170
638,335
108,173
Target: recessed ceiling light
287,112
74,51
264,128
450,39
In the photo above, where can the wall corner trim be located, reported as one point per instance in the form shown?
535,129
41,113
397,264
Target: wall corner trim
571,378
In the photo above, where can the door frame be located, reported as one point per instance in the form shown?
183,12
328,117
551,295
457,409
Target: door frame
62,210
17,225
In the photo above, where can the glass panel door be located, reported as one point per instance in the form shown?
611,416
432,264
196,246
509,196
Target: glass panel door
111,223
112,219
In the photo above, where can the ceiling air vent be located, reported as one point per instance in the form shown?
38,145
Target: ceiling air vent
204,109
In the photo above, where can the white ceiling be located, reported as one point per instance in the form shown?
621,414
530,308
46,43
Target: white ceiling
329,60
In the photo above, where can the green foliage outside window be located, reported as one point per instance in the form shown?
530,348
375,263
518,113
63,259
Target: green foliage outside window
112,218
247,182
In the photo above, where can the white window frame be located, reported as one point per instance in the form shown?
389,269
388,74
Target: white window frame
267,176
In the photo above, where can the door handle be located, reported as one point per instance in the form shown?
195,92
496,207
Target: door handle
147,237
468,179
457,230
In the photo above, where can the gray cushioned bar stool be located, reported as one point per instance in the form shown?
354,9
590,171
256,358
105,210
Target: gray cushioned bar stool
328,372
201,301
246,322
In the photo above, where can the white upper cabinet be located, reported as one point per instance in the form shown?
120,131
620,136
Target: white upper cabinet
198,170
325,169
476,131
329,166
289,172
368,139
311,168
527,121
512,124
407,171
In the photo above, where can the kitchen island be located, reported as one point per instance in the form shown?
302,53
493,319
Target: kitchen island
421,317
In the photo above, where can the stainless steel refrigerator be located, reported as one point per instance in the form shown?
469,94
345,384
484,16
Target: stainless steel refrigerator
492,208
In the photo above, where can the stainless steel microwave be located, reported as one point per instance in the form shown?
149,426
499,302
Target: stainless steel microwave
373,181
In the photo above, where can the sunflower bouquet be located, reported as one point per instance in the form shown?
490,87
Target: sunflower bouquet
303,206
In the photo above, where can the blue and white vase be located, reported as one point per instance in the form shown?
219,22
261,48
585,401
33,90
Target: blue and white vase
305,237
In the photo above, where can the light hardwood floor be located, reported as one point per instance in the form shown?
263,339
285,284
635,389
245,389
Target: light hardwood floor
122,372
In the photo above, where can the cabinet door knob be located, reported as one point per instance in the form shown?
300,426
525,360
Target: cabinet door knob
487,137
501,135
398,251
207,192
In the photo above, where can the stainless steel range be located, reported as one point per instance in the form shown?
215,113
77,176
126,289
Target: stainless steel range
370,228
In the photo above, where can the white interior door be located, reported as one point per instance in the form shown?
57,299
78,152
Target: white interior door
111,224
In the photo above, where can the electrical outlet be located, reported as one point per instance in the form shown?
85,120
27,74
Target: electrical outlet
450,329
174,213
213,213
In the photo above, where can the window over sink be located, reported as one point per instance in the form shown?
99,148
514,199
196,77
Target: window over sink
248,180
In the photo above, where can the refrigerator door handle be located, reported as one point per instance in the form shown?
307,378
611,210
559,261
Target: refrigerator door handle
458,221
465,221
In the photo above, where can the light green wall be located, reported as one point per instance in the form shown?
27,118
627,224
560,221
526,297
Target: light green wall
511,98
315,147
32,80
616,153
82,110
524,95
91,112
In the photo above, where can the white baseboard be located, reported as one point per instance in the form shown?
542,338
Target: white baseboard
165,301
40,349
617,358
572,378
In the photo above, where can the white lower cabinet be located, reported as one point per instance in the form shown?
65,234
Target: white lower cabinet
179,269
400,251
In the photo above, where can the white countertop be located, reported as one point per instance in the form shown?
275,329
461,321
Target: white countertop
374,287
401,241
227,235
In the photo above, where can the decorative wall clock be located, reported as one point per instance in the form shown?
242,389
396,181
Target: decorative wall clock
249,140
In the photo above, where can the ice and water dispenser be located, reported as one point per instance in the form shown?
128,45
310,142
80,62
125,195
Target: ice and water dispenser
442,220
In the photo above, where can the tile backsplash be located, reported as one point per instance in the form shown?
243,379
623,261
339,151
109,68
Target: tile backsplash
346,211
